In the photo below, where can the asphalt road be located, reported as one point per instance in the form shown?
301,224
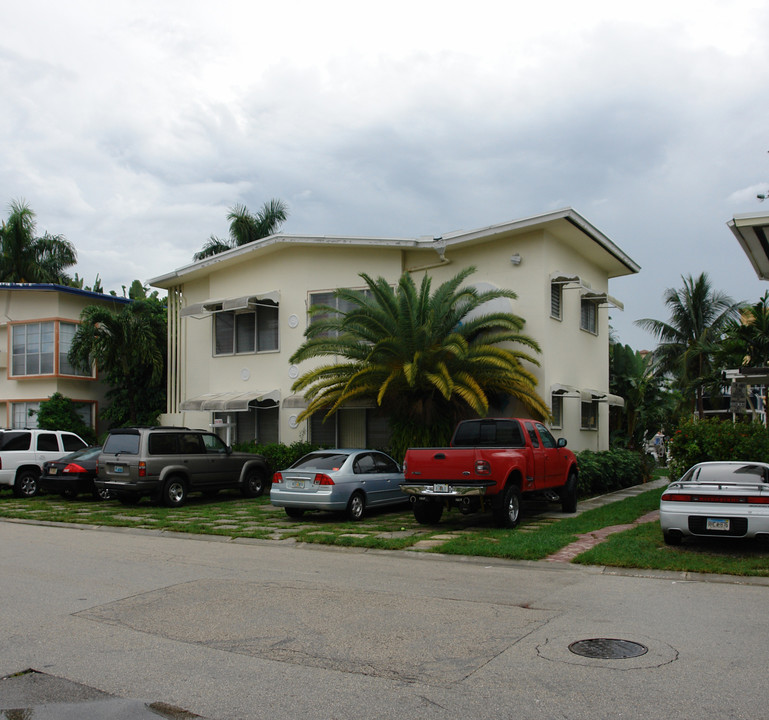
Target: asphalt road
241,630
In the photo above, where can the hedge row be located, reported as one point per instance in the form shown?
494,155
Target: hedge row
278,455
702,440
603,472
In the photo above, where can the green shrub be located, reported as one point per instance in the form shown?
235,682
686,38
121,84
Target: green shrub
702,440
58,413
278,455
603,472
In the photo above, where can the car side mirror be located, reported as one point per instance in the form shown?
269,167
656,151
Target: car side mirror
561,442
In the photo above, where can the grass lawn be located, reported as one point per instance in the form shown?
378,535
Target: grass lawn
230,514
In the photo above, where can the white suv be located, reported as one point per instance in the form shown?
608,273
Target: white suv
23,452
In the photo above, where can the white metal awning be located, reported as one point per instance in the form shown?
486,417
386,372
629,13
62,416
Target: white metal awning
559,389
295,401
242,302
230,401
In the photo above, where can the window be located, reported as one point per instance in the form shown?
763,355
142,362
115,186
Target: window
589,415
330,299
547,439
532,434
32,349
25,414
66,335
556,407
34,346
556,300
246,331
588,316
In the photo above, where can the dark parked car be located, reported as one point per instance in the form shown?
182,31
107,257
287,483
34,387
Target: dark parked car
168,463
73,474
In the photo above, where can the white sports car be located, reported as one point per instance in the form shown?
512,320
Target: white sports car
717,499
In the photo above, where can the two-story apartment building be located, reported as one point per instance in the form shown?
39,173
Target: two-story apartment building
235,320
36,329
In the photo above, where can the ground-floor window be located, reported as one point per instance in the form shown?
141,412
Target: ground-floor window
351,428
556,407
257,424
24,414
589,415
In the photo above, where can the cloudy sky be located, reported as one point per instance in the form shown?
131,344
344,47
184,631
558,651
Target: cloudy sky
131,126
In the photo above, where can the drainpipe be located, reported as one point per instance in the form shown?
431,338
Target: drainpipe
439,246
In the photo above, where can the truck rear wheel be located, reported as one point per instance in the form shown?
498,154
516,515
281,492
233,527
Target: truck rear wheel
508,514
428,512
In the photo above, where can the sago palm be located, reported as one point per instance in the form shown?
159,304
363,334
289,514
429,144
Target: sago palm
426,358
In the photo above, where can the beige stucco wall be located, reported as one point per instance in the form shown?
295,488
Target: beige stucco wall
570,356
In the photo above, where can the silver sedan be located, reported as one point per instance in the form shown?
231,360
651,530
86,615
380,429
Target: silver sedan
341,480
717,499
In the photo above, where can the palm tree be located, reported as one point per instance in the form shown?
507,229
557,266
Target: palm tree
129,347
426,359
688,342
26,258
245,227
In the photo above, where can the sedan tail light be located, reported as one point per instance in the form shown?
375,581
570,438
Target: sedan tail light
277,478
74,468
740,499
322,479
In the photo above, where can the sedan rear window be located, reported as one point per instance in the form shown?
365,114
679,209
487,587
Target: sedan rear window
321,461
747,474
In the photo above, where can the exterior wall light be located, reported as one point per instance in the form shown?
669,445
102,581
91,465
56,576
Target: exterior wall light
516,259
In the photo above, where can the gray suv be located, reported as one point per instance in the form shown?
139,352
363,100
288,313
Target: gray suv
167,463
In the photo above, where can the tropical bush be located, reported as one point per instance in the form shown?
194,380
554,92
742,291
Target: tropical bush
278,455
58,413
711,439
603,472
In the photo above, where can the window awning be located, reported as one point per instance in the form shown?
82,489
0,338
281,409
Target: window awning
558,389
230,401
615,400
601,298
295,401
243,302
592,395
559,278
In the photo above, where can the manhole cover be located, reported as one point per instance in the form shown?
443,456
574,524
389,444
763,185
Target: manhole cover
608,648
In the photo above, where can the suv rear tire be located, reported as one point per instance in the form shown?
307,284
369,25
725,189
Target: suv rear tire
174,492
26,484
254,484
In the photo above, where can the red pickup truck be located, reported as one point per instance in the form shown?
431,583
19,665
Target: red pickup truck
490,463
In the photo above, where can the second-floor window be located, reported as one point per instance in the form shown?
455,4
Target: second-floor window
246,331
589,316
556,300
35,348
329,299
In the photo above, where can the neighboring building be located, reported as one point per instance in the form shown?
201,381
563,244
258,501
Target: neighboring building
36,329
752,233
235,319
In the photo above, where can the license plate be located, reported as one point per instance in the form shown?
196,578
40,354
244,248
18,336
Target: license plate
296,483
52,471
717,524
440,488
118,468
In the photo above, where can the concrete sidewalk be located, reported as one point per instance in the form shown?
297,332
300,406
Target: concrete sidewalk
591,539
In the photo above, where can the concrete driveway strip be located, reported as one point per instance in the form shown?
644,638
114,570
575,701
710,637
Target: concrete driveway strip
262,630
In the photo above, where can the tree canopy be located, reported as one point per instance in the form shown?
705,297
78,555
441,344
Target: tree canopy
689,340
24,257
427,358
129,348
246,227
